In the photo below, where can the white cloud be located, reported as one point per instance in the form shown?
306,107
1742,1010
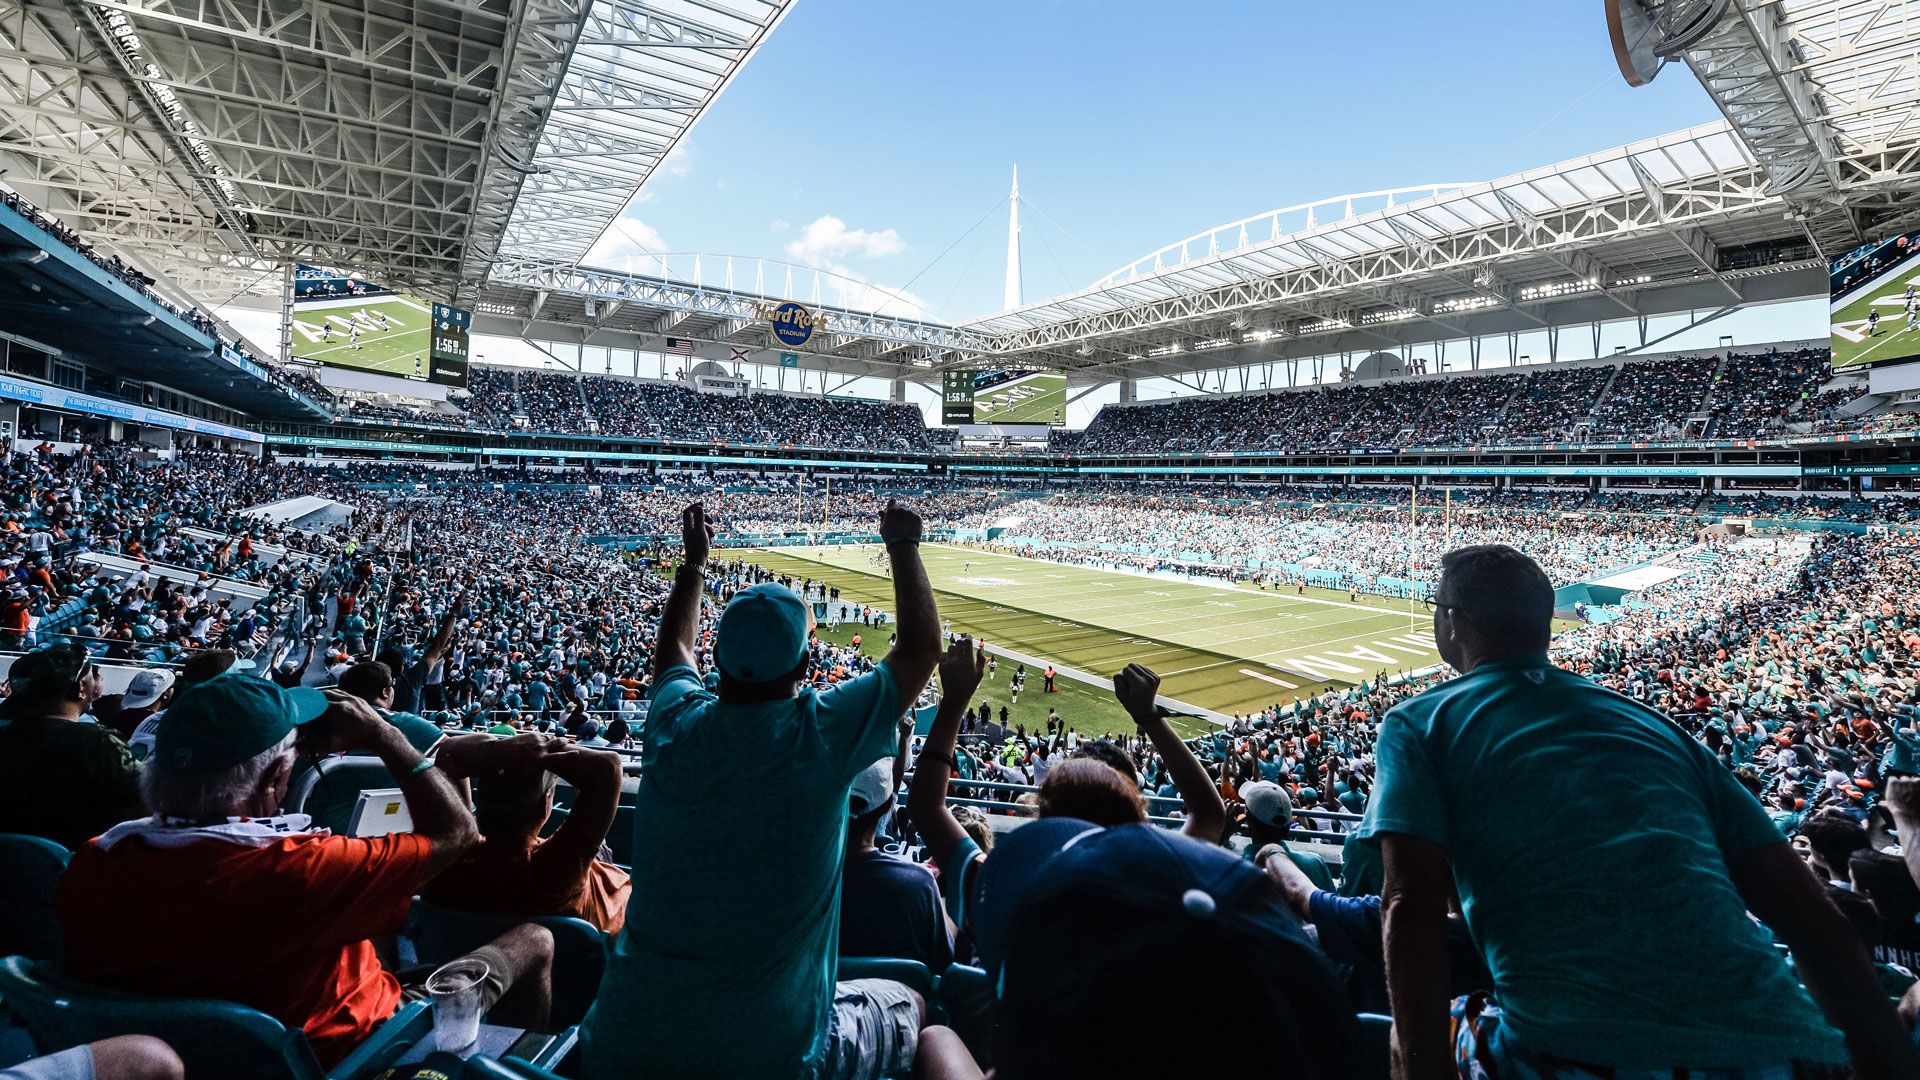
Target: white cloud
827,238
630,244
781,225
679,160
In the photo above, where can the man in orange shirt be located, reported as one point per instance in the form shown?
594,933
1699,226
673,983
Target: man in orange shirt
237,902
516,872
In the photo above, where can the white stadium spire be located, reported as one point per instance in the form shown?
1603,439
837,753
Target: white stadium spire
1013,243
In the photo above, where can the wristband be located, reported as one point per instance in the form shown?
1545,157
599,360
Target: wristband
419,767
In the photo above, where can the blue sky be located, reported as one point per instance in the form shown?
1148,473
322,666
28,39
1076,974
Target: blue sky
869,136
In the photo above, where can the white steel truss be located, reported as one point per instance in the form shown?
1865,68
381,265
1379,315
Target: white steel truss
641,73
1609,229
650,308
1826,95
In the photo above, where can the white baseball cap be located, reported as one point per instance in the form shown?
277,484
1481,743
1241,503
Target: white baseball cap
872,788
146,688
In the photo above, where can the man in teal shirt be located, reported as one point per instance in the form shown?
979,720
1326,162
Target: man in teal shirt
726,966
1605,863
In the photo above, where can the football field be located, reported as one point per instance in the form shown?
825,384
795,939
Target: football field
1215,646
394,334
1854,342
1039,397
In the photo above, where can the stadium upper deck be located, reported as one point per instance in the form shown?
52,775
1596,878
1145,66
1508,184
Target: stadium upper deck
498,146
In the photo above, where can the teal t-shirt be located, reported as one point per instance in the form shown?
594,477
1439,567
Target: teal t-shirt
1308,863
422,734
1589,839
726,966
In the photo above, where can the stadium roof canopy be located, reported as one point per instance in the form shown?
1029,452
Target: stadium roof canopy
213,142
1824,93
1820,152
1678,223
479,148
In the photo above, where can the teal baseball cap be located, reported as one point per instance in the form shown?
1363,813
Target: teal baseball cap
222,722
762,634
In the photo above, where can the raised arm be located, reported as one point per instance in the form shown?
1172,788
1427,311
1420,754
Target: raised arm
680,619
1903,802
1827,956
437,648
595,775
439,812
1413,907
1136,686
917,647
960,671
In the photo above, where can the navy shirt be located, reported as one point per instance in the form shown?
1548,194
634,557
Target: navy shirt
891,907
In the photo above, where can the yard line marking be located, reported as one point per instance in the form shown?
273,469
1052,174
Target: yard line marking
1314,665
1402,648
1268,678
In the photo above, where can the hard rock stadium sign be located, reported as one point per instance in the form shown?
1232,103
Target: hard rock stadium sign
792,323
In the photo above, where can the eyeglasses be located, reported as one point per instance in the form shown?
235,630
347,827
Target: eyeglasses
1433,605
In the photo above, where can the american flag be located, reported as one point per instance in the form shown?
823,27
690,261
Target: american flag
680,346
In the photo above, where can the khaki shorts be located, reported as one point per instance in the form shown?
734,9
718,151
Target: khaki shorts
875,1030
495,984
73,1064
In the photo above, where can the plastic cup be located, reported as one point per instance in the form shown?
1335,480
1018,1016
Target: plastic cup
455,990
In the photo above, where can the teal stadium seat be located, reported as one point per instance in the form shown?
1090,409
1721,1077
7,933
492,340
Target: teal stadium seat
30,869
440,934
620,836
213,1038
328,789
911,972
1374,1055
966,996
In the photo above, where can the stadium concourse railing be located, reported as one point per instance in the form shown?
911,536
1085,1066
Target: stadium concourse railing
971,790
1154,803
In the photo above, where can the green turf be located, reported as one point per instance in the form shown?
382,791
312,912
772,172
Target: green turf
1893,341
1048,406
1218,647
1087,709
400,351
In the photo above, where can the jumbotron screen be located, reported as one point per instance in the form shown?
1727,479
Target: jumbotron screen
1875,302
1006,397
339,318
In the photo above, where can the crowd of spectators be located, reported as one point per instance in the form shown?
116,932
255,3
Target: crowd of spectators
1752,395
1371,548
1655,397
1747,397
1755,394
483,653
582,404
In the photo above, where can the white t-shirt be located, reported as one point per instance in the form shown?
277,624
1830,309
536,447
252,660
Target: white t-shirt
144,734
